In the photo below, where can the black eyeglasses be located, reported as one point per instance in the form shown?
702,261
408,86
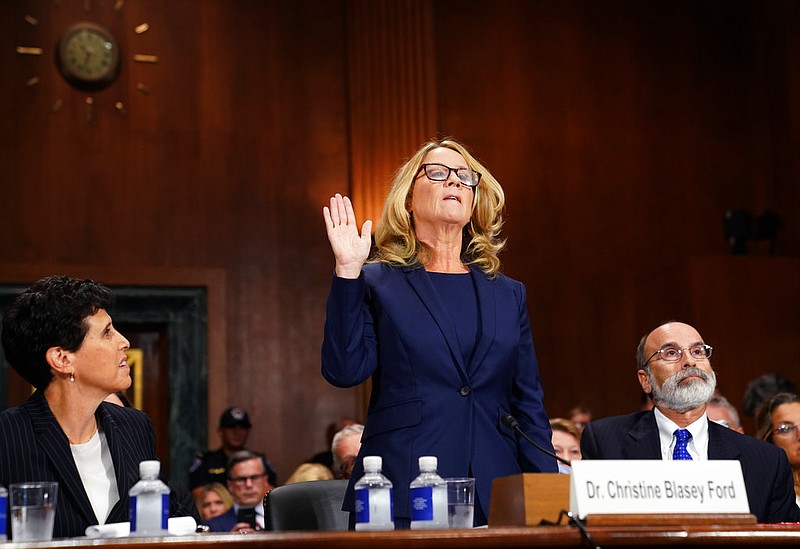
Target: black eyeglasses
440,172
243,480
670,353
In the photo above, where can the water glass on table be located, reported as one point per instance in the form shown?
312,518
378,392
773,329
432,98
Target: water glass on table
32,506
460,502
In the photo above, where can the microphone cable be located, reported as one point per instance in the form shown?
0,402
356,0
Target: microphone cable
512,422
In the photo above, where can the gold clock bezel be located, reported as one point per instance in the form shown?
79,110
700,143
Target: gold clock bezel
79,80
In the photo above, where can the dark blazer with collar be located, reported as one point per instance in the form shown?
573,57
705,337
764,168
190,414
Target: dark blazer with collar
766,470
33,447
390,324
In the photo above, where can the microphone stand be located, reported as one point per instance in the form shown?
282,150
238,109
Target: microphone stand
512,422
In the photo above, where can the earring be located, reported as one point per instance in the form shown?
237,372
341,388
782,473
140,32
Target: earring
72,376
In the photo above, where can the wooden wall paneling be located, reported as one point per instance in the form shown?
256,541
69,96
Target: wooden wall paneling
746,307
594,116
614,112
392,108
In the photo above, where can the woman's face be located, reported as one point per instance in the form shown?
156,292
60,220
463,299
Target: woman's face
435,204
212,505
100,362
566,446
788,414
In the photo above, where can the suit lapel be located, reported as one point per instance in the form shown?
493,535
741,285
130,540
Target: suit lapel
124,469
421,283
53,442
720,443
487,308
641,441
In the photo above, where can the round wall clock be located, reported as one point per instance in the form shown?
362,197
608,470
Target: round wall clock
87,56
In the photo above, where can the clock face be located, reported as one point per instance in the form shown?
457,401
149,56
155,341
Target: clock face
88,56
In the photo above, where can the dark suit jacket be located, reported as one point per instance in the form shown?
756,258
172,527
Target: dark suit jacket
224,522
767,475
33,447
426,399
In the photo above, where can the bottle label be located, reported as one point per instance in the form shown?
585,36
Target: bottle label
422,503
133,507
3,516
362,505
164,511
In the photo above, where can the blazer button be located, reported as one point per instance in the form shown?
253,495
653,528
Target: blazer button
464,391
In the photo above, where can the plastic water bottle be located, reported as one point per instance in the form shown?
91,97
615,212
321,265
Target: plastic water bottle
149,502
428,497
374,498
3,513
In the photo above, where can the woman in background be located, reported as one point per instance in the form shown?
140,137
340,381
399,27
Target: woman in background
213,500
306,472
779,423
566,439
444,336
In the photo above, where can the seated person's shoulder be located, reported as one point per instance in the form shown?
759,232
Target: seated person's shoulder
617,422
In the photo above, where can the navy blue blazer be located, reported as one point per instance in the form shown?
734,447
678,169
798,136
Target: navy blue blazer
223,522
33,447
390,324
767,474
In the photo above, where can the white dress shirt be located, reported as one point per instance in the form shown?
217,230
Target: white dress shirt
697,447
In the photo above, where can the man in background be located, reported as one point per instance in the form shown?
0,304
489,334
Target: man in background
674,367
345,446
248,482
210,465
723,412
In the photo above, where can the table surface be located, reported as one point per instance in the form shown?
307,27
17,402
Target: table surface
534,537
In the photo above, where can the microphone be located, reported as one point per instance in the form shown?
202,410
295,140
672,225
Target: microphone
512,422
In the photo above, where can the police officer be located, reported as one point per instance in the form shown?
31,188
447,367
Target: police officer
210,465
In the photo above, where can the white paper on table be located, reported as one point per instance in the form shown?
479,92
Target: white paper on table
177,526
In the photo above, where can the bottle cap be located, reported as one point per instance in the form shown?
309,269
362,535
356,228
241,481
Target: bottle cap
373,463
149,468
428,463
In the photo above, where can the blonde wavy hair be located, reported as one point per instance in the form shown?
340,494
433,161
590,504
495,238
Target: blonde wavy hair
395,239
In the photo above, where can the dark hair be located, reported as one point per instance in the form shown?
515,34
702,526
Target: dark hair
247,455
762,389
764,416
51,313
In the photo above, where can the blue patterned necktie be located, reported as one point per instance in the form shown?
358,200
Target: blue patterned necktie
682,436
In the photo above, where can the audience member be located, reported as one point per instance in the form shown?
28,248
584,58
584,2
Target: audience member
59,337
213,500
673,365
248,483
209,466
778,422
580,416
566,439
306,472
723,412
326,456
345,446
763,388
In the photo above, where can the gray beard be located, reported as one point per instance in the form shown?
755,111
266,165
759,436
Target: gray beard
683,398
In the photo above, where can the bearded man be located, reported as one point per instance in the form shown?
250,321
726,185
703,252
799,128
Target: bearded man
674,368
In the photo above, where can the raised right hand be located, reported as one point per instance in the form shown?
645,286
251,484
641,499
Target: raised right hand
350,249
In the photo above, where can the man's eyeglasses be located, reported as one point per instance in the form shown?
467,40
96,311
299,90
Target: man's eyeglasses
670,353
440,172
243,480
785,429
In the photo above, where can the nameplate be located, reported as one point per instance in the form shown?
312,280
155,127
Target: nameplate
605,487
